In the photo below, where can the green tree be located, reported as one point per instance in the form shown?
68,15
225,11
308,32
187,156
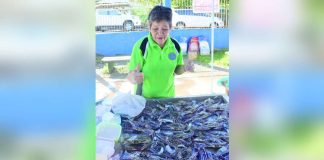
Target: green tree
144,9
148,2
181,3
188,3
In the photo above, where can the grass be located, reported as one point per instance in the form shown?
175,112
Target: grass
98,58
221,58
105,69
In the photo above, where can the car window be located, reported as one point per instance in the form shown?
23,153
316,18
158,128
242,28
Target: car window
114,12
190,12
102,12
108,12
175,13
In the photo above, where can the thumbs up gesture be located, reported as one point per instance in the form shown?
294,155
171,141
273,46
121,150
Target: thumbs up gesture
138,68
135,76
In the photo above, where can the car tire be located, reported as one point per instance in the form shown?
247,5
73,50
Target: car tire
128,25
216,25
99,29
180,25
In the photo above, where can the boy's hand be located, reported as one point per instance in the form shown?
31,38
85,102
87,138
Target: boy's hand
189,65
136,76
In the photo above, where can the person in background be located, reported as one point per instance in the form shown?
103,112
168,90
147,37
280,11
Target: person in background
152,71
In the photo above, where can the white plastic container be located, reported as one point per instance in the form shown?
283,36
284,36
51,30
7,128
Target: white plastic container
204,47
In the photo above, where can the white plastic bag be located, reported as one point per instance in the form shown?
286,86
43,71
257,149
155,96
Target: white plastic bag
127,104
101,109
108,131
110,117
104,149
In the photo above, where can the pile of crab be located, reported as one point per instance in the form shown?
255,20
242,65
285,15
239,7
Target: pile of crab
185,129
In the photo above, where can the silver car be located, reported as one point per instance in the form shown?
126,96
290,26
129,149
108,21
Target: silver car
188,19
113,19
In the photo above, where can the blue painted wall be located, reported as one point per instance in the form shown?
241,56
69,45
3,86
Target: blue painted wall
110,44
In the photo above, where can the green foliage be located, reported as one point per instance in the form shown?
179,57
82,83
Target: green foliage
221,58
121,69
149,2
105,69
181,3
188,3
144,10
142,13
98,59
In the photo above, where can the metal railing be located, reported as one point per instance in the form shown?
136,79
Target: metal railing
131,15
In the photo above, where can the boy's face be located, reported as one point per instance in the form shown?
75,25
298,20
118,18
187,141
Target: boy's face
160,31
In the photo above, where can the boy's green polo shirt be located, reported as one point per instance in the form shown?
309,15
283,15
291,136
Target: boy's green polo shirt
158,67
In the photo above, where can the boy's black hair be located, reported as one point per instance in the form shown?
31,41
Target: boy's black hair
159,13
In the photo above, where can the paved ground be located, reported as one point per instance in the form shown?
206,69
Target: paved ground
189,84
